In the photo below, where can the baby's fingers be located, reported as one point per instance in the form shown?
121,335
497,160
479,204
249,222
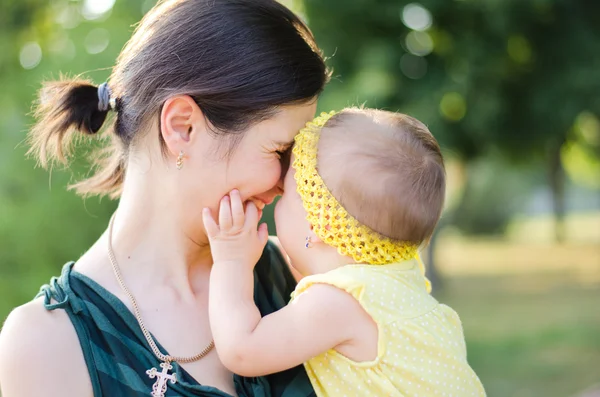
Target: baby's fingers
263,234
212,229
237,209
251,216
225,221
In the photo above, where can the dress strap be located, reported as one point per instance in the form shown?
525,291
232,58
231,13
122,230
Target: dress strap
58,294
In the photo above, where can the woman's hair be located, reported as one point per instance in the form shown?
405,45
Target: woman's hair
238,59
393,179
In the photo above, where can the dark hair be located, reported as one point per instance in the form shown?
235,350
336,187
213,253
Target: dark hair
238,59
396,181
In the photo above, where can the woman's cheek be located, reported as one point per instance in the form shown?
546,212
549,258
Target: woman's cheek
258,176
271,175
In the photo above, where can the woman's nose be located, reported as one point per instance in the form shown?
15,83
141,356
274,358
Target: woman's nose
279,186
285,165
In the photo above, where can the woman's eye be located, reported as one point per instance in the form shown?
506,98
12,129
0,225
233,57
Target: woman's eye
282,152
284,157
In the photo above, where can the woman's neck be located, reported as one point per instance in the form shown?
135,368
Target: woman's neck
152,247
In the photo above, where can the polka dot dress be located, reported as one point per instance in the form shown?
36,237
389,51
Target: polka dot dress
421,348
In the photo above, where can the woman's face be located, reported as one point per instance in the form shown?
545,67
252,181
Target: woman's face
254,167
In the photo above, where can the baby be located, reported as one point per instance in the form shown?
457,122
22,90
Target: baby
364,192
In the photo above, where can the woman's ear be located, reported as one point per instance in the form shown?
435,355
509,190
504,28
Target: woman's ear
181,120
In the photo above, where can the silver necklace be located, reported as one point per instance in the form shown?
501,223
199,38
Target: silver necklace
162,377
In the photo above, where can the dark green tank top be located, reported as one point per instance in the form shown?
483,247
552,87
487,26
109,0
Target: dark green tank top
117,354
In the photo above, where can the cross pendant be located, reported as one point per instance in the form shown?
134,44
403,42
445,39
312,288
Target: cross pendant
160,386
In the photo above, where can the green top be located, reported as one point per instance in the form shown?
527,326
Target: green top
117,354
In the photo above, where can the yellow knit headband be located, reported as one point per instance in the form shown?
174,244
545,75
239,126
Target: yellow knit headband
330,221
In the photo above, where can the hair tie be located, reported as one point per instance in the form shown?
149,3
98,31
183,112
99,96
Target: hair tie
105,102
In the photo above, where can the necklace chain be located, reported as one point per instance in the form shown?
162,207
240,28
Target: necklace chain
138,316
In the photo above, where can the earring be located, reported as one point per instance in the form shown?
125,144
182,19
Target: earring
180,160
308,242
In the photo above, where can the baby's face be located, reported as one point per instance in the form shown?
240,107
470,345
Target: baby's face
290,219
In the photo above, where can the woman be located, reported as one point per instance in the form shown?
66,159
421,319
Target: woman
207,96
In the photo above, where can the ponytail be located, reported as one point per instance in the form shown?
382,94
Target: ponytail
65,110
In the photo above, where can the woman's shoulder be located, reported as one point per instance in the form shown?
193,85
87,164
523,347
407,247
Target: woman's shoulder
32,330
40,354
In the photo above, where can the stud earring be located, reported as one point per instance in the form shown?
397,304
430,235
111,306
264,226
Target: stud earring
180,160
308,243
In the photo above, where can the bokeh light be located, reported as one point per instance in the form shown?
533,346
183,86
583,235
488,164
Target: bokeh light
588,125
458,70
62,47
519,49
30,55
94,9
97,41
375,83
68,16
453,106
579,154
416,17
413,66
419,43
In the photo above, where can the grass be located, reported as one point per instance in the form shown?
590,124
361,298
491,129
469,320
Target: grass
529,343
530,310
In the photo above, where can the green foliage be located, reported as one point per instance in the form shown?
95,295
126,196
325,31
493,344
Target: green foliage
581,153
493,193
486,74
509,77
42,225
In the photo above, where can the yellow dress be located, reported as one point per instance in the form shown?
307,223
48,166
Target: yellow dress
421,347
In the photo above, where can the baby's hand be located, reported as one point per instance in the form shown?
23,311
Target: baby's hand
236,237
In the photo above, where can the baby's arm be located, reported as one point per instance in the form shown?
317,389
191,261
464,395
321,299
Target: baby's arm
248,345
321,318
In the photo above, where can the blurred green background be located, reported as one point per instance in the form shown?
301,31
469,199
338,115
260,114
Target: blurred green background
510,88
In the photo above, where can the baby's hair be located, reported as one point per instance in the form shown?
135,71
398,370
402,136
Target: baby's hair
386,169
